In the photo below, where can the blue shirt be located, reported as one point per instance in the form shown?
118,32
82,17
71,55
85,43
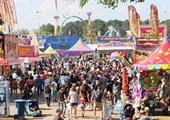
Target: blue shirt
39,82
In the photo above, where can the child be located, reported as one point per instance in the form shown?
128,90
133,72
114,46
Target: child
82,105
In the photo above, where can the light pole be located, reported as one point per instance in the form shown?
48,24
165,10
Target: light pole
165,15
38,12
89,27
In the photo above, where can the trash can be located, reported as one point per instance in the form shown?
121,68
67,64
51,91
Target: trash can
19,109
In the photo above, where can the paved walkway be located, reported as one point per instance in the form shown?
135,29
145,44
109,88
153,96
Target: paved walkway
48,112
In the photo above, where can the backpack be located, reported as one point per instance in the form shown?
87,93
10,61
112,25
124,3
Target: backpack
98,96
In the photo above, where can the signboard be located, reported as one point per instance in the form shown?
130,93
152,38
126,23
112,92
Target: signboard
2,47
4,98
26,51
145,33
114,41
11,47
144,51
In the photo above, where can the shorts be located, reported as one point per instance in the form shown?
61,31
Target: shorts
74,104
54,92
82,106
98,105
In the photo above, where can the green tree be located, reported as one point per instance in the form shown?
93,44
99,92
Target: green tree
145,22
168,26
98,25
47,29
109,3
76,28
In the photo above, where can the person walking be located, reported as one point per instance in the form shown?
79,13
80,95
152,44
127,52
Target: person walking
63,97
98,96
39,83
73,98
47,93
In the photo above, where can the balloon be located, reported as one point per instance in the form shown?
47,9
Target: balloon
133,95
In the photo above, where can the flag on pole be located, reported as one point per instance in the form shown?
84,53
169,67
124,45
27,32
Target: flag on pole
56,3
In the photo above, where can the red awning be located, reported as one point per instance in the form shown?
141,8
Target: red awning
3,62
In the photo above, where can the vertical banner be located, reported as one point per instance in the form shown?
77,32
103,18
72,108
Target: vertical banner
154,22
132,14
4,98
12,5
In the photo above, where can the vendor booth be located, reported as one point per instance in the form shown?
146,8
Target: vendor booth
80,48
29,55
8,52
48,53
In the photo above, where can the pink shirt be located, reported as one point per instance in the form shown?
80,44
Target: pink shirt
82,101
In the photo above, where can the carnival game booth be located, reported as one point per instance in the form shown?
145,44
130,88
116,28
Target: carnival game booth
29,55
155,68
48,53
8,52
80,48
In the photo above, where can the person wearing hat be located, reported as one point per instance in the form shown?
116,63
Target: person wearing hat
58,114
143,115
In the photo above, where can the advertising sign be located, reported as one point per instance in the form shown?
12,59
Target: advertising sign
4,98
144,51
133,20
145,33
11,47
26,51
114,41
1,47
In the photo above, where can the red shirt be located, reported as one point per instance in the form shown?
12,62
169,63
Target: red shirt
22,83
30,82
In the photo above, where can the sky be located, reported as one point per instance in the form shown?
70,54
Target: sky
28,17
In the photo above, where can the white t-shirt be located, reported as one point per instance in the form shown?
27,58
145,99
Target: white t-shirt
73,97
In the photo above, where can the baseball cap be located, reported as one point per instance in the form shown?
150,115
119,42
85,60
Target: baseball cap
58,109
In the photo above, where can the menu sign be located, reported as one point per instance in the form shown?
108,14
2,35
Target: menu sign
11,47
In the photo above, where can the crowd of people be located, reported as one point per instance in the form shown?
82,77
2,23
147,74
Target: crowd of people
87,83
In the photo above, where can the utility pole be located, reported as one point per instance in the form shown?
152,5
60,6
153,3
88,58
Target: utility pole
38,12
89,27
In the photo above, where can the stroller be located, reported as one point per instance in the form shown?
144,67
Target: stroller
129,111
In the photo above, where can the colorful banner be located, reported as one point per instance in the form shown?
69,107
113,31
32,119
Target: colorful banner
145,32
26,51
11,47
133,21
154,21
2,47
114,41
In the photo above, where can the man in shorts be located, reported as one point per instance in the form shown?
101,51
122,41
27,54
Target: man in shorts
97,97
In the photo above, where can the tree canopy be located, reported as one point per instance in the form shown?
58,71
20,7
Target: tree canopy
78,28
109,3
